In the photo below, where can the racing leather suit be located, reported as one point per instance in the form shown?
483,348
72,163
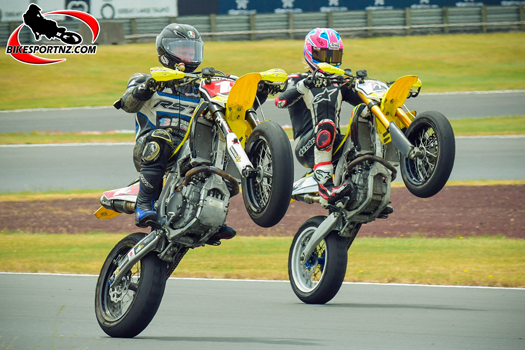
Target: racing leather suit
161,122
314,113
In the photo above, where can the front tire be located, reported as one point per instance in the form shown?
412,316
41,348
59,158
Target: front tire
126,309
433,134
267,196
317,280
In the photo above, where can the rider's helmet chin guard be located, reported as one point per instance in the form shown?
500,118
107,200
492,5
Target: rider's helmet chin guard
180,43
323,45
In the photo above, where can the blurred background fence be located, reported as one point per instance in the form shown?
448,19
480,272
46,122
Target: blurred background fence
361,23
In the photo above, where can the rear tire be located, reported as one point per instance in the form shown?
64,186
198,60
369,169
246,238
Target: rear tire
317,280
267,196
433,134
126,309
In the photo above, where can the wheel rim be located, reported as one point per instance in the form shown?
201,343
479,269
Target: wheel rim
309,274
259,188
420,170
116,300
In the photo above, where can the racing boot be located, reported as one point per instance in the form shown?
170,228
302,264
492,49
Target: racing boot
144,209
385,212
323,168
225,232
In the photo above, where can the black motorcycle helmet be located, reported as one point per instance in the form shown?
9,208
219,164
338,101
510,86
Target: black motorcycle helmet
180,43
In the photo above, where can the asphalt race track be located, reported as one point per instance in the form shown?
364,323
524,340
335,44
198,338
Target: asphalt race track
105,166
57,312
452,105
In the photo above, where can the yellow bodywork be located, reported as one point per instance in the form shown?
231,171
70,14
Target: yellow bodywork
103,213
327,68
166,74
394,98
242,97
397,94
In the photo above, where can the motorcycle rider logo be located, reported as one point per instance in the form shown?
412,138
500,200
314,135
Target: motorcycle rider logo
40,25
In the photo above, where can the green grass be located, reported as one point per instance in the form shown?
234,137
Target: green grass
42,137
444,63
480,261
462,127
489,126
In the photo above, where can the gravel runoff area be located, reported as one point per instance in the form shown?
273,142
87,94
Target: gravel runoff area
455,211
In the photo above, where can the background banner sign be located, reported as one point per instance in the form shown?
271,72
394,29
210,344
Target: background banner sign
12,10
233,7
110,9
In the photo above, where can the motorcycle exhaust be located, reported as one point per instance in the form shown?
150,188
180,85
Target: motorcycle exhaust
118,205
307,198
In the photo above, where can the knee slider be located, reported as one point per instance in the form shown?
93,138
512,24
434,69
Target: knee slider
325,137
151,152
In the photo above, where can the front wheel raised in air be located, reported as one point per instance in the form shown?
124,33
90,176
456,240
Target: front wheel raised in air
126,308
432,133
267,195
317,279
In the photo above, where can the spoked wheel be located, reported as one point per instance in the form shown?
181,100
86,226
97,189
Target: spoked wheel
318,279
125,309
267,195
432,133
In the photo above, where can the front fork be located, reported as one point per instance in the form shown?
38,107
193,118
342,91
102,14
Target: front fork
398,138
235,149
141,249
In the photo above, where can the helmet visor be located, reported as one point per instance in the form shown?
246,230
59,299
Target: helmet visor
185,50
327,55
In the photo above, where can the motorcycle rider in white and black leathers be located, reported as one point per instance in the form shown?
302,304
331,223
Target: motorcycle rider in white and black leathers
314,106
163,117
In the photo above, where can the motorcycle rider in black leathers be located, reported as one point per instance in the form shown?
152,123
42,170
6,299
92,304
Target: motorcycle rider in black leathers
314,108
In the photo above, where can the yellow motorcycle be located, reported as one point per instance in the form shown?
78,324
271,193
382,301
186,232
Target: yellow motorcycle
380,137
225,144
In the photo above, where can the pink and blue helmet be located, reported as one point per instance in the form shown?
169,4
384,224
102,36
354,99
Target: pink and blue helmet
323,45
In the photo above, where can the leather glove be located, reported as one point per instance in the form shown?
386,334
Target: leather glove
361,73
308,83
274,89
313,81
144,91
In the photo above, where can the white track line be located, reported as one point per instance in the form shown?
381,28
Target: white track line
273,281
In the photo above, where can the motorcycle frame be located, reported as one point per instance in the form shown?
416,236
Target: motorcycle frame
227,142
386,109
